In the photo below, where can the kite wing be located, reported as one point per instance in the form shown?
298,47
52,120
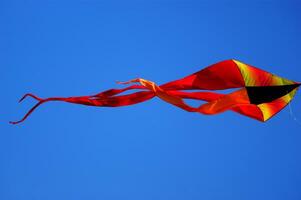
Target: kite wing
259,95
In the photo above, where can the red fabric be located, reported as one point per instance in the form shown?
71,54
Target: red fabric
222,75
219,76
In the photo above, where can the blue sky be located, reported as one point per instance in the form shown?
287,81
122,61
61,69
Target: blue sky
151,150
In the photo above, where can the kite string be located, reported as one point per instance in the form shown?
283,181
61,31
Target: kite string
293,116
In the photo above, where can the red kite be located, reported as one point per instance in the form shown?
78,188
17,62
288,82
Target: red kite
259,95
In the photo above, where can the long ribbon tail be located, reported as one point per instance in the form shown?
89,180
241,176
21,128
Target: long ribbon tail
40,101
107,98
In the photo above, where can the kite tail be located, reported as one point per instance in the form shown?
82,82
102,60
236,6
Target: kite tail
107,98
40,102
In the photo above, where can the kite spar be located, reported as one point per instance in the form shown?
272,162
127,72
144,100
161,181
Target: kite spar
259,95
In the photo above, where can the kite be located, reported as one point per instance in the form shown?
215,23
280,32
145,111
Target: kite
257,94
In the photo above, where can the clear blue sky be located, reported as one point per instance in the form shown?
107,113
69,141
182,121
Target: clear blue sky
150,151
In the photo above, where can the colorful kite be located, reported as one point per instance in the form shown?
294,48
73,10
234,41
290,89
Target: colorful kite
260,95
